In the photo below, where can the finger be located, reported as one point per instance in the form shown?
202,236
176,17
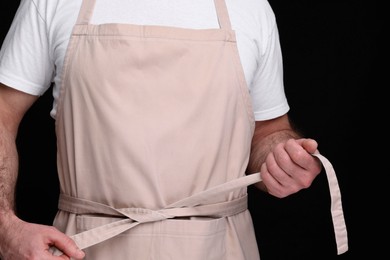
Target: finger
272,183
67,257
300,156
49,255
281,164
66,245
269,183
310,145
308,166
274,168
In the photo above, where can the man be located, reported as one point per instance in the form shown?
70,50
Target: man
163,112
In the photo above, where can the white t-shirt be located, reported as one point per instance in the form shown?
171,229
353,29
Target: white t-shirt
32,54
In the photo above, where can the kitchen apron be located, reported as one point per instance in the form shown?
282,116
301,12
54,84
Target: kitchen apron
154,127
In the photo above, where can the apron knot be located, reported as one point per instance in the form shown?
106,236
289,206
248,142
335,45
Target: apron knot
142,215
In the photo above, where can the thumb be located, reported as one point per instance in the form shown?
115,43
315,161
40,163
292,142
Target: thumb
310,145
67,246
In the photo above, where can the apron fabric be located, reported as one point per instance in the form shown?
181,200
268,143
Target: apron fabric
154,127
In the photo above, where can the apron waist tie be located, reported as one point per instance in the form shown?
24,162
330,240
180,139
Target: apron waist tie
336,209
131,217
200,204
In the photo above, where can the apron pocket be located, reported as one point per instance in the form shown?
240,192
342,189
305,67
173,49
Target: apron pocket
187,239
193,239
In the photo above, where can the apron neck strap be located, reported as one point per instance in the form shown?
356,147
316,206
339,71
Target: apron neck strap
223,14
86,12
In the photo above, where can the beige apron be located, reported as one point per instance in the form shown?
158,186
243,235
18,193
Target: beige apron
154,126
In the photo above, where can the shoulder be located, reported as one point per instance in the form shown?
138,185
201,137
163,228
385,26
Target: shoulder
260,10
254,19
48,10
253,16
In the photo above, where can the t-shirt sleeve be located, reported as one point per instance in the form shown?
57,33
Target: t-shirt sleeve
267,90
25,60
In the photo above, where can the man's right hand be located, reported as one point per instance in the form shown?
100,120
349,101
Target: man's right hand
20,240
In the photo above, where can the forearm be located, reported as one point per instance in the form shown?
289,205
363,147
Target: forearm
8,172
8,176
13,105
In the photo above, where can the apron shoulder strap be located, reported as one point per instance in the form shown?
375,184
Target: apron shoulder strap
86,11
223,14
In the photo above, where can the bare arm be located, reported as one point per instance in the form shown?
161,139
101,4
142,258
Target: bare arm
13,105
18,239
283,157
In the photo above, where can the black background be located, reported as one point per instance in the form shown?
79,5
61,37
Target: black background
328,49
